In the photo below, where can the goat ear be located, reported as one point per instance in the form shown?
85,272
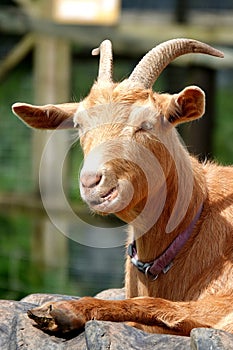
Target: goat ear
46,117
188,105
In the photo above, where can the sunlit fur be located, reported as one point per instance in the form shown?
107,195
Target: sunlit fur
198,290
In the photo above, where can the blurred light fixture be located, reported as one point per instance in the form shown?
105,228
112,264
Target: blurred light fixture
89,12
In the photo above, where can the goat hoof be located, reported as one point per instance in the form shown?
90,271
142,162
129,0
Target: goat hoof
56,317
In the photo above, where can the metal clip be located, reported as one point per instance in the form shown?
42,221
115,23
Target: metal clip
130,250
167,268
149,275
143,267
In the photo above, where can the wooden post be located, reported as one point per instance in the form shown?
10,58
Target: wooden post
52,82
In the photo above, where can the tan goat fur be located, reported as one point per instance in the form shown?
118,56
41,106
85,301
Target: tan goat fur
197,291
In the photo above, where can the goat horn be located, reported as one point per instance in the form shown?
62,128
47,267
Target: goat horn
154,62
105,65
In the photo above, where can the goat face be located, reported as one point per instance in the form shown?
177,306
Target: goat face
125,142
115,147
126,130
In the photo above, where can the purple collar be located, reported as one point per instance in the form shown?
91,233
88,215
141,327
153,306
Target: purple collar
164,262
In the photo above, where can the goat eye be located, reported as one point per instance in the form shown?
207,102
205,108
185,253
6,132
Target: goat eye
146,125
78,126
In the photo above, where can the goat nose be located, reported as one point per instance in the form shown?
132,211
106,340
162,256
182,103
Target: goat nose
90,180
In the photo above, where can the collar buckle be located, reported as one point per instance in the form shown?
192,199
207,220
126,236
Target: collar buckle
144,267
165,261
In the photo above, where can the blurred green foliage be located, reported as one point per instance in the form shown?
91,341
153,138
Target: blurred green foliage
223,133
15,138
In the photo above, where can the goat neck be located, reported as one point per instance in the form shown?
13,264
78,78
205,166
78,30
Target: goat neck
156,240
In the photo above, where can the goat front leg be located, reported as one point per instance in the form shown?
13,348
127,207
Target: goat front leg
179,317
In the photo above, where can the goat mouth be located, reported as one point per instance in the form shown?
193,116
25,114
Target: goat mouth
112,200
110,195
102,202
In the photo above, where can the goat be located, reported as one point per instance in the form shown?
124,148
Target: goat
179,268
